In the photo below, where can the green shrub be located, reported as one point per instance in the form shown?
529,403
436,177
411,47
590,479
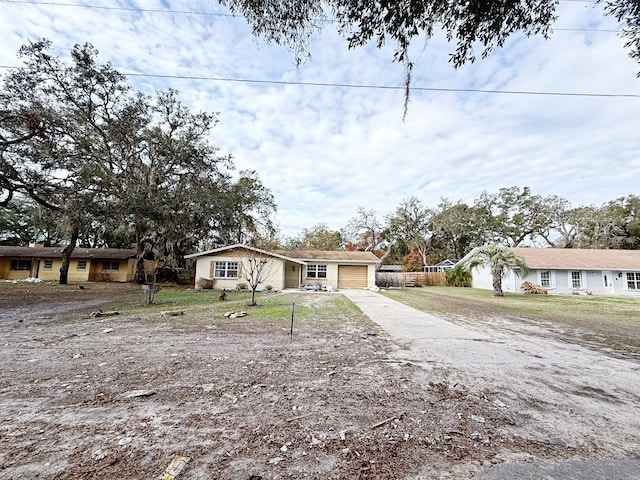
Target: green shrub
458,276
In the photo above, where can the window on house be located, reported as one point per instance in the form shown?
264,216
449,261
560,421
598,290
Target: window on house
545,279
576,280
48,264
82,265
226,270
633,280
20,265
316,271
110,265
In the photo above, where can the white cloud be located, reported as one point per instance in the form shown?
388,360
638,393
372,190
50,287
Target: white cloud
325,151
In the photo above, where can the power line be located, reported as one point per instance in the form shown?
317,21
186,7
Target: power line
229,15
386,87
376,87
125,9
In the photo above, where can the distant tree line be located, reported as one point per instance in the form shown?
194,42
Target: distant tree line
85,160
415,235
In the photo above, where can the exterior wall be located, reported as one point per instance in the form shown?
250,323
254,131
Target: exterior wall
371,275
204,269
5,264
592,282
283,274
332,273
481,278
96,272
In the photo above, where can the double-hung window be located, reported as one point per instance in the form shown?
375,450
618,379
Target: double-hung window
48,264
545,279
111,265
633,280
576,280
226,270
316,271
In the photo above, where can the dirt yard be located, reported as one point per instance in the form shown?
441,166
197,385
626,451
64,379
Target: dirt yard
118,397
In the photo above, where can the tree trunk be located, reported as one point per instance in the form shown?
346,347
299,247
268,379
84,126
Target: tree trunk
66,256
497,284
253,297
385,255
142,248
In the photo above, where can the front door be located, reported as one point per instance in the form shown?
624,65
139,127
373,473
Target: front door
607,281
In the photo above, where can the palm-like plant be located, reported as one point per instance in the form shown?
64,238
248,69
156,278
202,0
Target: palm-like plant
458,276
500,261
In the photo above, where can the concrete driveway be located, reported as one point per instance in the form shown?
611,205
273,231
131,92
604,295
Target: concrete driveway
566,392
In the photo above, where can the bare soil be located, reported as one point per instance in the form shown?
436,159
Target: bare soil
118,397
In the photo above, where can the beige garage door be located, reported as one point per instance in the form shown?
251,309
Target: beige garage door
352,276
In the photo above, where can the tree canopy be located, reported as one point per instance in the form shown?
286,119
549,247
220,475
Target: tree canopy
115,166
467,24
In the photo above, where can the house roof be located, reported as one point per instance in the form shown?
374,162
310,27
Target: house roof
56,252
239,246
390,268
576,258
299,256
331,255
591,259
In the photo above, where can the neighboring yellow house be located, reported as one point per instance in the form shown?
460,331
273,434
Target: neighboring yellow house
87,264
287,268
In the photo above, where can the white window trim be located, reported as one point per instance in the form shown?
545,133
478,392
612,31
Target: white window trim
226,269
316,271
583,279
552,278
625,284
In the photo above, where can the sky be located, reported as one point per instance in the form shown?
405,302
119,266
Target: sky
325,151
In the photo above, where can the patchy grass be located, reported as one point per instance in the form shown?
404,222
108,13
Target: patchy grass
202,307
610,321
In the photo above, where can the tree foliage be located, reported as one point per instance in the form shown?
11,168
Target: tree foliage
364,231
468,25
512,216
456,228
318,237
115,166
410,223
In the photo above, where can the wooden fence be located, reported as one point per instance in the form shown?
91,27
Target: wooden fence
410,279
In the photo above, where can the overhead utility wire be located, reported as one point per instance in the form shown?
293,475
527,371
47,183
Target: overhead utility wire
212,14
388,87
371,86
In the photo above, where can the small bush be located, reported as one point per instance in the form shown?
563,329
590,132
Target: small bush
206,283
458,276
269,287
241,286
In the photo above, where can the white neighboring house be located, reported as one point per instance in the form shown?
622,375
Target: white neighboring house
570,270
288,268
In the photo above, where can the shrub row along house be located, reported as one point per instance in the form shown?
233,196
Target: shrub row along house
87,264
569,270
286,268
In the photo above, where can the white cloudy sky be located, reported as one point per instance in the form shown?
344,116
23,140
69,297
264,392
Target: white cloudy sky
325,151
